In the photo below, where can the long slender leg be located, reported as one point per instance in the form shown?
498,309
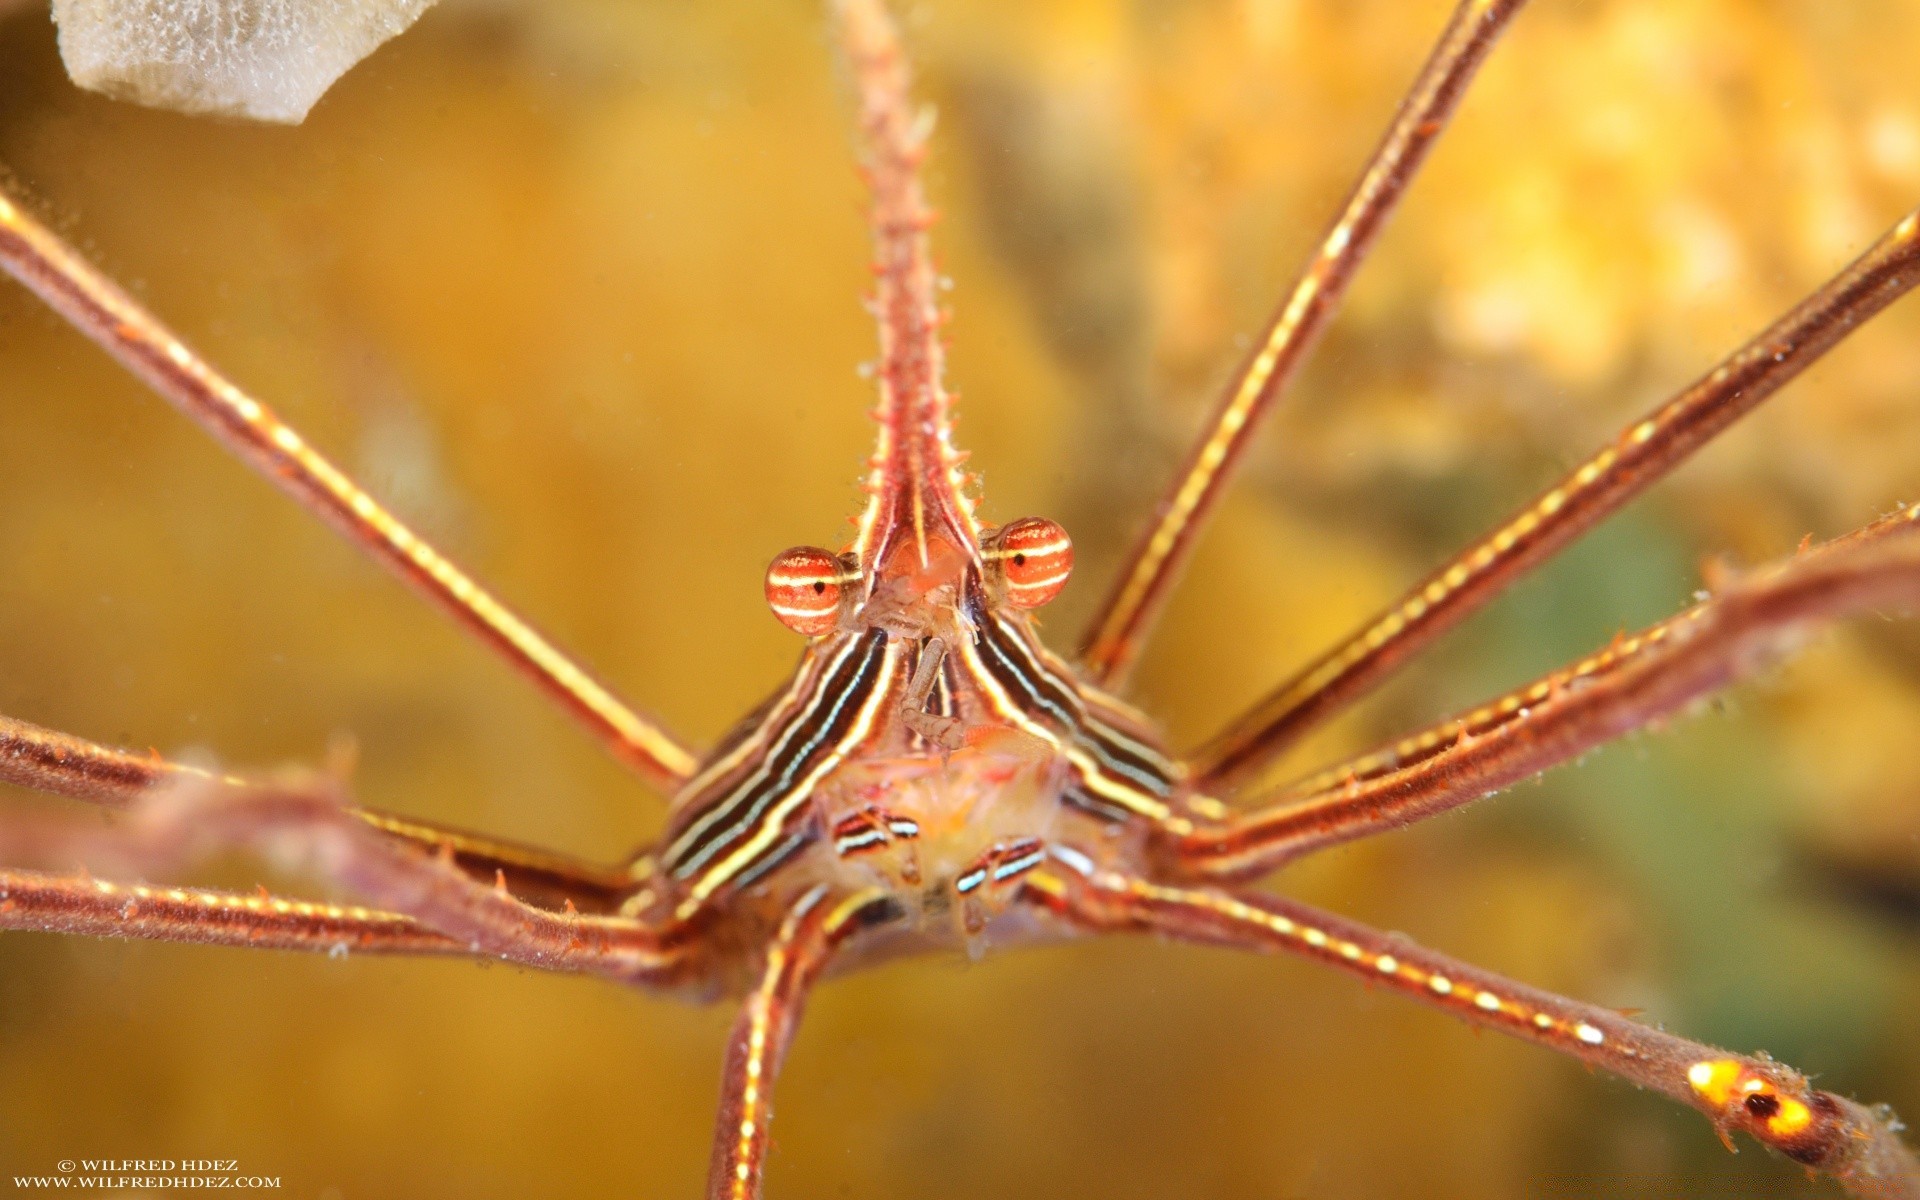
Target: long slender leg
64,765
1121,625
1644,452
1520,702
1771,1102
97,307
33,900
1633,682
813,927
302,824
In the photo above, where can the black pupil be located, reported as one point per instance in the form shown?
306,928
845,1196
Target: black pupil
1019,560
819,586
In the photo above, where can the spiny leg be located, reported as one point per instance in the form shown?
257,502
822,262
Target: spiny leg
799,951
1634,682
1644,452
98,307
1121,625
44,903
1773,1103
64,765
1413,748
303,824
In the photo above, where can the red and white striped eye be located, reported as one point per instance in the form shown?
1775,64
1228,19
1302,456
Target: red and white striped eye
805,586
1034,556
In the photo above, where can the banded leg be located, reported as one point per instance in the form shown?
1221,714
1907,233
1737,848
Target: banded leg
302,824
98,308
1634,682
1773,1103
1121,624
64,765
807,937
1643,453
43,903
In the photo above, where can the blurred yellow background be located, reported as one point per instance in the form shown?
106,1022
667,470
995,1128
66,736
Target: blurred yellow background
575,285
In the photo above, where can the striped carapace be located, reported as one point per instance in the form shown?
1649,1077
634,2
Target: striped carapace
931,775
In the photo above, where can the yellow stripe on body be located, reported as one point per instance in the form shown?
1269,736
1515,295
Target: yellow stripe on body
773,821
1091,773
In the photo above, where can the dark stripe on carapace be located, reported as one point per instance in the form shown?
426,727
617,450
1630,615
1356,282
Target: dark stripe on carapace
1045,690
1024,679
733,813
1076,796
1124,759
784,849
1119,751
940,699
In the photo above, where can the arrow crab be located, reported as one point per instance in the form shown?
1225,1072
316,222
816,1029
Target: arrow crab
933,774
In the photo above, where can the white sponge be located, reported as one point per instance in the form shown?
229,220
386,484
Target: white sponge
269,60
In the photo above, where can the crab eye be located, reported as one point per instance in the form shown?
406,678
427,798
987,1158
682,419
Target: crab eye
1034,556
804,587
